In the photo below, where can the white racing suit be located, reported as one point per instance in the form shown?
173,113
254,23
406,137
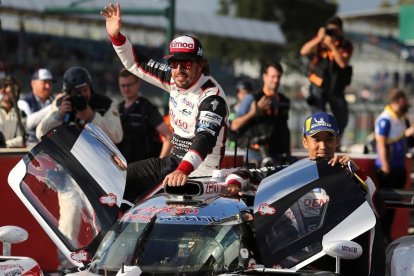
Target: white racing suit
198,116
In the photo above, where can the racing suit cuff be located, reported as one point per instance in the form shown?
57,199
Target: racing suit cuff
186,167
118,40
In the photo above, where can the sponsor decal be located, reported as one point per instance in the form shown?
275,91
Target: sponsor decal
214,188
206,124
311,203
11,269
200,51
146,214
186,45
109,200
214,104
182,145
80,256
173,102
349,249
266,209
163,67
180,123
151,63
136,217
157,65
206,129
185,112
177,121
320,122
192,219
210,117
188,103
382,124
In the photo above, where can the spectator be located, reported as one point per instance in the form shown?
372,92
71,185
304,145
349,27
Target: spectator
37,104
142,123
244,93
391,131
81,104
11,126
320,138
264,128
244,98
329,71
198,110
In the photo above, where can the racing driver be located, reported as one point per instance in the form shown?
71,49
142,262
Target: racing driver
197,107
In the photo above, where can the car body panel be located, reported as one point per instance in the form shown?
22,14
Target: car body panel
24,266
60,177
302,207
400,257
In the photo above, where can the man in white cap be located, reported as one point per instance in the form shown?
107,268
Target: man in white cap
198,110
37,104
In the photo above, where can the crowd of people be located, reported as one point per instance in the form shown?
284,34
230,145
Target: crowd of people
200,118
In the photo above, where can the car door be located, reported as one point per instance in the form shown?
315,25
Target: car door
73,183
305,206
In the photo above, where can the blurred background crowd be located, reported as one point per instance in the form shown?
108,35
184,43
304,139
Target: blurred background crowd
240,37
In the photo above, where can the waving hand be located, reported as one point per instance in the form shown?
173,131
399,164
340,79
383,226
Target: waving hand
112,14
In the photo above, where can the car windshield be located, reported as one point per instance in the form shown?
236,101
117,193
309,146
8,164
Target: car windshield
167,248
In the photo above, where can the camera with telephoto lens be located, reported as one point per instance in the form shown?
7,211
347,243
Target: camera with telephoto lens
78,102
330,32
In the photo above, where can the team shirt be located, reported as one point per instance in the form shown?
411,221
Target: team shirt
389,125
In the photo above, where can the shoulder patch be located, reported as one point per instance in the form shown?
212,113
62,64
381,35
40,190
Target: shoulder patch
207,84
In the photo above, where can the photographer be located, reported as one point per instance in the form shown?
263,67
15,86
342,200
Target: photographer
264,130
329,72
80,104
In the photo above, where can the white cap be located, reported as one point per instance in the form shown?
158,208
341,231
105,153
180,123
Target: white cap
42,74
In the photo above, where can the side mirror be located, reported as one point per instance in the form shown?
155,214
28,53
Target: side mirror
347,250
11,234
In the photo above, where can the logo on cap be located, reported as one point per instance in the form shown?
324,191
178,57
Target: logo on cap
182,45
185,47
320,122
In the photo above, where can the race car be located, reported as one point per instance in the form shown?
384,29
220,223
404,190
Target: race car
73,183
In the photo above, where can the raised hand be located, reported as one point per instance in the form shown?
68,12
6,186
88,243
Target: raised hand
112,14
